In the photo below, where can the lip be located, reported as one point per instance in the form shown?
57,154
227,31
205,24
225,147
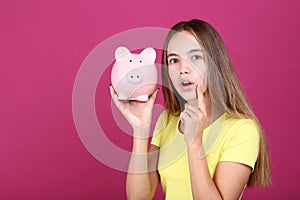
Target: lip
187,87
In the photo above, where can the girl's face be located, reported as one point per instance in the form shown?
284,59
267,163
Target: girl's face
186,64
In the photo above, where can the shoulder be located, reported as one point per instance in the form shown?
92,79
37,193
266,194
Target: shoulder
241,141
165,121
234,124
241,129
165,117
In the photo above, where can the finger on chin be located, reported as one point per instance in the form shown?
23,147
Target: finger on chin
201,104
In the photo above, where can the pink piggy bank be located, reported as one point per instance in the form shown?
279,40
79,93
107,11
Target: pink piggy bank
134,76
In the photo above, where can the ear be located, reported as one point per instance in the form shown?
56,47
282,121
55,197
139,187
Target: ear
121,51
149,52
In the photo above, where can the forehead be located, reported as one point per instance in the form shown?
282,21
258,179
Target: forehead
182,42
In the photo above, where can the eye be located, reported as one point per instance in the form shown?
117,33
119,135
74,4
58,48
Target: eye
130,60
173,61
141,61
196,57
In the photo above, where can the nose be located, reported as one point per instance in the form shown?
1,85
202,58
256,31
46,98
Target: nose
134,76
185,68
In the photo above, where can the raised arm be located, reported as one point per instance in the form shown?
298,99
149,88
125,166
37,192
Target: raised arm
142,185
142,177
230,178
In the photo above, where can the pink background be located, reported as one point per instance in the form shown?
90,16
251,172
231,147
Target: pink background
43,43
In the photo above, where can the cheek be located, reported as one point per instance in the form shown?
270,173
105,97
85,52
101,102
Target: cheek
174,76
200,68
202,77
203,82
203,86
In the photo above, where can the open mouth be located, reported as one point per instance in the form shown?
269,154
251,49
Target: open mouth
186,83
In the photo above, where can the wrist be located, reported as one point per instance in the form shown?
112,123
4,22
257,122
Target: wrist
196,148
194,142
140,145
141,132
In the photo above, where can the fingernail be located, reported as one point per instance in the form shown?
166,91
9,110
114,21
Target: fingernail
199,86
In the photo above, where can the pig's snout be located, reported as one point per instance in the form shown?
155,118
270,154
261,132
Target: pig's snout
134,76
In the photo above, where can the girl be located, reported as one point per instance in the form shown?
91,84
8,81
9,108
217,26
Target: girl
208,143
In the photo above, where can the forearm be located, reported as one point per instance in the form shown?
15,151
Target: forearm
138,185
203,187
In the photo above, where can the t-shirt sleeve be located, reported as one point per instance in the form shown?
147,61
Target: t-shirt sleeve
243,145
158,130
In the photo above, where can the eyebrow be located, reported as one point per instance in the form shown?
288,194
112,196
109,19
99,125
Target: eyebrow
189,52
172,54
195,50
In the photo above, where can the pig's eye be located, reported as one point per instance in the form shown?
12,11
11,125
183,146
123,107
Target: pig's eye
141,61
130,60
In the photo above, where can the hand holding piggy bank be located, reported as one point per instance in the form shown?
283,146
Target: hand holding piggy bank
134,76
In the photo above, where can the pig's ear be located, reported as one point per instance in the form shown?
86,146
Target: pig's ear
149,52
120,52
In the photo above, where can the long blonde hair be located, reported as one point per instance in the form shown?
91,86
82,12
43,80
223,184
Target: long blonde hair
232,96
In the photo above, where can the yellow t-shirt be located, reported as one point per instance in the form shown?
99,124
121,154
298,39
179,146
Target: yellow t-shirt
226,139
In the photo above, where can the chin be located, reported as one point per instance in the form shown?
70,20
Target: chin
188,96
